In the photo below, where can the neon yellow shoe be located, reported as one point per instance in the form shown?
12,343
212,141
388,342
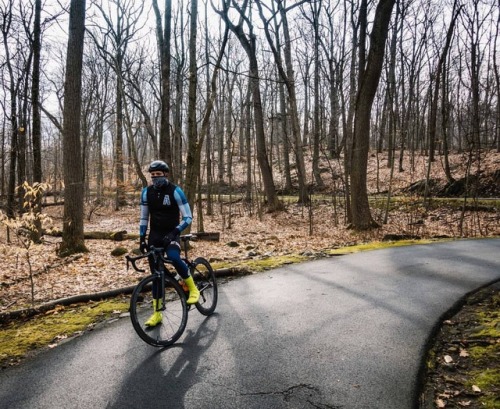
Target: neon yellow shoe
156,317
194,294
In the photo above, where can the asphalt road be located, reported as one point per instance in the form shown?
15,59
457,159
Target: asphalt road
344,332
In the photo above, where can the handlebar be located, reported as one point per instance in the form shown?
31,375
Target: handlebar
152,250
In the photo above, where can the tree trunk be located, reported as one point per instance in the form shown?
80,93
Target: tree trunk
73,239
435,97
248,142
249,44
360,208
120,180
497,84
316,124
35,96
13,91
193,154
266,171
289,79
163,38
283,121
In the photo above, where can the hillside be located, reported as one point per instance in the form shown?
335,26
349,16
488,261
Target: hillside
249,233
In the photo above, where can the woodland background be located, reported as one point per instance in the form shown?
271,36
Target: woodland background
272,115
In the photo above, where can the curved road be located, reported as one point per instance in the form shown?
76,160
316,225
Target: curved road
344,332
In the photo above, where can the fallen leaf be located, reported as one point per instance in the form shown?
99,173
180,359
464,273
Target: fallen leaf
465,403
440,403
464,353
476,388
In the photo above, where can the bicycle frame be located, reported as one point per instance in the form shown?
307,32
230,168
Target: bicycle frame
174,294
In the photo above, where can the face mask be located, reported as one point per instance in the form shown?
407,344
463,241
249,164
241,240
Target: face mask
159,181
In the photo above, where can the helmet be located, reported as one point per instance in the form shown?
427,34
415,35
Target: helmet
158,165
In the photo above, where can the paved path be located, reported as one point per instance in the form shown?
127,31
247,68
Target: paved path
344,332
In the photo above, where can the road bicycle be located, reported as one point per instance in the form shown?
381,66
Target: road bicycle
170,287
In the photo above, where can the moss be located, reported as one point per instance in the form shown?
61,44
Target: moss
431,360
119,251
489,325
488,381
18,338
271,262
258,265
483,353
376,245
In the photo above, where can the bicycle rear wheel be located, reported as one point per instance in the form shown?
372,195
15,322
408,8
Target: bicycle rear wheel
204,277
174,311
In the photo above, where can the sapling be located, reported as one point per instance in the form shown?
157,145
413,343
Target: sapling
30,224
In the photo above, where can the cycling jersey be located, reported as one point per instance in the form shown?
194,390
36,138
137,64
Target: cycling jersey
161,208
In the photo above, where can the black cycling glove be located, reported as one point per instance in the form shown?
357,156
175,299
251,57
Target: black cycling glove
170,237
143,245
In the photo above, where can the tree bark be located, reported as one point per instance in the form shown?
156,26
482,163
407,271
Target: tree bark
193,158
163,38
35,96
13,91
73,239
360,208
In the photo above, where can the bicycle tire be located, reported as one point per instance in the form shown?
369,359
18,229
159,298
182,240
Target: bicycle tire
204,278
174,313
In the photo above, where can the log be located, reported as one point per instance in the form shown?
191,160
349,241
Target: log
123,235
99,235
208,236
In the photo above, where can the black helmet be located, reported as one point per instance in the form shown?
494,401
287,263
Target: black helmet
158,165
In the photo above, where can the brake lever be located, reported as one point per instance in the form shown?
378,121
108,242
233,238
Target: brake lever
132,261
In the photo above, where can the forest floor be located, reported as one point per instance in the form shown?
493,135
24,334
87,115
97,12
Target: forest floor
253,240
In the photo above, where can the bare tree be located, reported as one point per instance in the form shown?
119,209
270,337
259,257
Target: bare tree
15,80
369,79
179,69
289,79
163,37
435,97
193,158
316,11
249,44
497,80
72,237
35,95
116,36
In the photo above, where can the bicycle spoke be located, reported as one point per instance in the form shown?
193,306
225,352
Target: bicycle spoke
204,278
173,313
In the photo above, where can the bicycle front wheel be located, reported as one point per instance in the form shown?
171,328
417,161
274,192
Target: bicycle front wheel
204,278
173,311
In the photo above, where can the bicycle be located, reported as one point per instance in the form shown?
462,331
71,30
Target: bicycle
173,293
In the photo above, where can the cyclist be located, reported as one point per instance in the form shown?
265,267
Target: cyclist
162,204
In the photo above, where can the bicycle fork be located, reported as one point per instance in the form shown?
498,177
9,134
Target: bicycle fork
159,287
